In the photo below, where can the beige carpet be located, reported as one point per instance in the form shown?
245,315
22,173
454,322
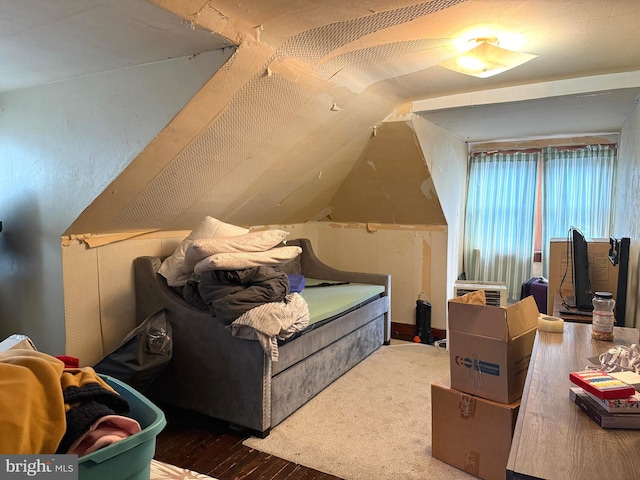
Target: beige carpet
373,422
164,471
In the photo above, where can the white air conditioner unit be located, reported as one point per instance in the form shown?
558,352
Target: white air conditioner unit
495,292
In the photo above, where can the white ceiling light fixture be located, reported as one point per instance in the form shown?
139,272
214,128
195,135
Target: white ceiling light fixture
485,58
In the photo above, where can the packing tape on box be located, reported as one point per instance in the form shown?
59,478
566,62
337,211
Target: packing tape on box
550,324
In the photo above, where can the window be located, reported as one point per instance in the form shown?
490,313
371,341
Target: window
571,187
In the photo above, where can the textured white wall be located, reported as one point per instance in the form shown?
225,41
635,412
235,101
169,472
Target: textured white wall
627,206
446,157
60,146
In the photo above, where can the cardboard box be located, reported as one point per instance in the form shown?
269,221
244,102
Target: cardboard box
471,433
490,347
16,341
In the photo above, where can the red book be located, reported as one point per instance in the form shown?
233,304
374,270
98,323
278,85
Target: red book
601,384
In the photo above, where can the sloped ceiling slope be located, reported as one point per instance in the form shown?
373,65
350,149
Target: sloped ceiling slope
274,134
47,42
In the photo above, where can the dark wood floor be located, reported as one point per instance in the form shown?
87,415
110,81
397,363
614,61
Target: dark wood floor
210,447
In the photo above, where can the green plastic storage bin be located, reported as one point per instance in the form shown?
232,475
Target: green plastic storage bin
129,458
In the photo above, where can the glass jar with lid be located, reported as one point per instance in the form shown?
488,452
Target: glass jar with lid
603,316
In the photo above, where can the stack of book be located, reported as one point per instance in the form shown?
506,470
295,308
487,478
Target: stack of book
610,402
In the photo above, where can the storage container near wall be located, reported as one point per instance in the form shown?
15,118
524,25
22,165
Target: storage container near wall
129,458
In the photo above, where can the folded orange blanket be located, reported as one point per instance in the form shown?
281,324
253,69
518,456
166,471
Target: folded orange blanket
32,417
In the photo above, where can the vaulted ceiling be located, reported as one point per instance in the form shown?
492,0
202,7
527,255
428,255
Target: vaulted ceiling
275,132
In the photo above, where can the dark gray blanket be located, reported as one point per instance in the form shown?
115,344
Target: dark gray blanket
230,293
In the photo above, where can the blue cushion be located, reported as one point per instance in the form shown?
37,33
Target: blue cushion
296,282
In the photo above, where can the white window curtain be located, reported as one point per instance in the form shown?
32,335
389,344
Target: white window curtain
500,218
577,192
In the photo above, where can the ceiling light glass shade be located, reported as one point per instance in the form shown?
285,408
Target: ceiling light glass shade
486,60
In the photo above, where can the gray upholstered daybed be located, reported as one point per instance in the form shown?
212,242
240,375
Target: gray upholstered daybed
233,379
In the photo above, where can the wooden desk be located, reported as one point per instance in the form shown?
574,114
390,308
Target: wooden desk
567,317
553,438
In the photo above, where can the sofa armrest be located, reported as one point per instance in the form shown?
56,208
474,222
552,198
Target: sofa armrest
153,292
313,267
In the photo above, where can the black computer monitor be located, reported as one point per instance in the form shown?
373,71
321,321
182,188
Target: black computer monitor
581,283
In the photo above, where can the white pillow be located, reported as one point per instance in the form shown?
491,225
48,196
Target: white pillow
251,242
173,268
242,260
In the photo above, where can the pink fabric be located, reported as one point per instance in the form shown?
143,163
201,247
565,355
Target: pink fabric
104,432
